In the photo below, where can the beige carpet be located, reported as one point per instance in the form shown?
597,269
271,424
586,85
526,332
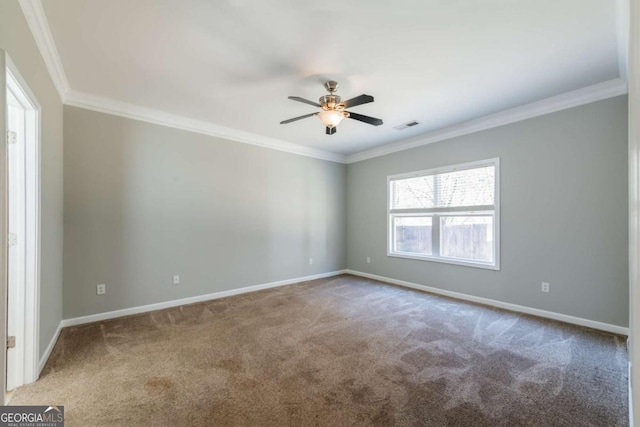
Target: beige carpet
334,352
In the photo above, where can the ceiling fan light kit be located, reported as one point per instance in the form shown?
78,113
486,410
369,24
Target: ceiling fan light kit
332,110
331,118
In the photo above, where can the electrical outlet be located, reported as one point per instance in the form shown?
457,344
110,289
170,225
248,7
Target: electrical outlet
176,280
310,261
101,289
545,287
368,260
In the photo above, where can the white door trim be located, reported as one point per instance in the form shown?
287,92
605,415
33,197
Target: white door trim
634,211
20,89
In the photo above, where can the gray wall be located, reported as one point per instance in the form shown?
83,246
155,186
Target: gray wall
564,213
16,39
144,202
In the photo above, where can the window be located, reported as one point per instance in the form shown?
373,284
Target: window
448,214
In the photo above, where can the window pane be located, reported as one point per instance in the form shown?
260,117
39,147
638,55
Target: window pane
467,237
412,235
471,187
412,193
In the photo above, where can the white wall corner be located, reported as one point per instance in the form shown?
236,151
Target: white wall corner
597,92
39,26
634,207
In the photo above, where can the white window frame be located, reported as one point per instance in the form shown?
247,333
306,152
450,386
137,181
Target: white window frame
433,213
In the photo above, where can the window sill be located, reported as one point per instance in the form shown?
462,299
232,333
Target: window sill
486,266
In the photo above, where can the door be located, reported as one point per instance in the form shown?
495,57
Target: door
15,240
20,219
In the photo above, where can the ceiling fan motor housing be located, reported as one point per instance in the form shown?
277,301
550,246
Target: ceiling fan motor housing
331,102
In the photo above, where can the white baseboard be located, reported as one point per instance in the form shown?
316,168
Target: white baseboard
184,301
505,305
49,349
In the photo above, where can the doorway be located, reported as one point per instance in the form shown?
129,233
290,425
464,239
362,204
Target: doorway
23,220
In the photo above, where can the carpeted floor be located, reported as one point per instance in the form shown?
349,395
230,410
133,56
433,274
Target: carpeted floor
341,351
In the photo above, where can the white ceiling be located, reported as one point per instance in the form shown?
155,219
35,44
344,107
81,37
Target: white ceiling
234,62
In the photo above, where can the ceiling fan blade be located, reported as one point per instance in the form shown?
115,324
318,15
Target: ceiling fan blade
366,119
284,122
358,100
330,131
306,101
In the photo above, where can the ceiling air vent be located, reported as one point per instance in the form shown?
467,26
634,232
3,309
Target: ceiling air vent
407,125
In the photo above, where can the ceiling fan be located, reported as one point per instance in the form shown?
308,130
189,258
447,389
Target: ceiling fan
332,110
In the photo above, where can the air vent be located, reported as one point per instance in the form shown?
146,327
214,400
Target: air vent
407,125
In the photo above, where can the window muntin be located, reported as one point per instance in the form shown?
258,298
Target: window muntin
447,214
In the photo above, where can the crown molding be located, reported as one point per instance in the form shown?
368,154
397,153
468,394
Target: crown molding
136,112
37,21
586,95
39,26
